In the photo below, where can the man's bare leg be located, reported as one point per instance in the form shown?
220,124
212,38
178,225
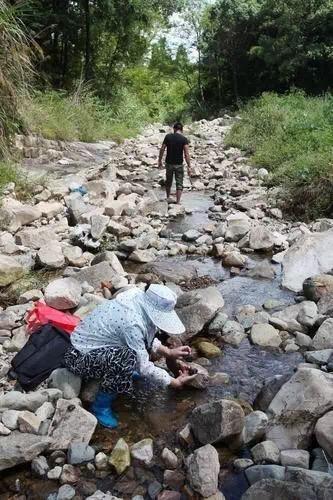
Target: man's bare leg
178,195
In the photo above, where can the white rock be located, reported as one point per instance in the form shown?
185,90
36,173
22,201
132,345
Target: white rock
324,336
4,431
51,255
28,422
266,452
143,451
169,459
295,458
324,432
203,468
255,425
63,293
45,411
9,419
265,335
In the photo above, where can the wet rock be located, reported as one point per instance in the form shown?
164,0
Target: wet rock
311,478
242,463
261,238
324,432
208,349
10,270
143,451
233,259
39,466
169,495
259,472
143,256
70,423
316,287
262,270
173,479
318,357
217,421
319,461
154,489
218,323
65,381
174,272
275,489
169,459
197,307
120,457
185,435
63,293
202,379
266,452
69,474
255,425
101,461
79,453
265,335
18,448
65,492
296,407
308,314
28,422
324,336
295,458
233,333
54,473
191,235
307,257
246,316
203,469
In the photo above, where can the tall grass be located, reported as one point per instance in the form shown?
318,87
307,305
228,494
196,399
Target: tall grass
292,136
16,70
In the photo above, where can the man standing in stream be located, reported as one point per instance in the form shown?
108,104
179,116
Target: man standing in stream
177,146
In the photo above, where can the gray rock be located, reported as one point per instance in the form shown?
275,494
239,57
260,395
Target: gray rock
233,333
203,469
265,335
319,357
51,255
242,463
99,224
15,400
174,272
216,421
10,270
39,466
197,308
246,316
65,492
307,257
255,425
310,478
316,287
261,238
9,419
296,407
324,432
324,336
143,451
218,322
54,473
70,423
238,225
259,472
101,461
263,270
96,274
18,448
35,238
154,489
65,381
169,459
319,461
63,293
273,489
308,313
4,431
28,422
112,260
295,458
99,495
79,453
45,411
303,340
266,452
191,235
143,256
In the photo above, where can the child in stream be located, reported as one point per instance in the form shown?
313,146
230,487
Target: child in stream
114,344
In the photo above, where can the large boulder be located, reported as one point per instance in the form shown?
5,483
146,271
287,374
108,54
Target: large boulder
324,432
238,225
275,489
71,423
175,272
217,421
198,307
63,293
316,287
296,407
18,448
307,257
324,336
10,270
203,469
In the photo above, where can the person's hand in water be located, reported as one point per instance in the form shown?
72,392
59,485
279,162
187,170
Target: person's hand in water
179,352
183,378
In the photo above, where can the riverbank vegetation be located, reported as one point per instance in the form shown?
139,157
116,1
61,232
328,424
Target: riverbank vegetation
84,70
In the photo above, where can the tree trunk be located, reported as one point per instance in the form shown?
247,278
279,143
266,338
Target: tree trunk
87,64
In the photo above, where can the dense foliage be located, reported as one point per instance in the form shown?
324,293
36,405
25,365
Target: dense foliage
292,136
251,46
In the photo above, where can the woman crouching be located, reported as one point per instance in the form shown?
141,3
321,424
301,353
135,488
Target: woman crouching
113,343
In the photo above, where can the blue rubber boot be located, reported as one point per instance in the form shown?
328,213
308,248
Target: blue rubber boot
136,376
102,409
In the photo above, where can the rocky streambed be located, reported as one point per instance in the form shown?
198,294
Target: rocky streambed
254,291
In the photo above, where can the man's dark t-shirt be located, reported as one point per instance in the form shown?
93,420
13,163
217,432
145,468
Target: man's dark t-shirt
175,148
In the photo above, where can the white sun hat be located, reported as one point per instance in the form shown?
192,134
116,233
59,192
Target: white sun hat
159,303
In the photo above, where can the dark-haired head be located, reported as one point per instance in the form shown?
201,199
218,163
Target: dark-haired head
178,127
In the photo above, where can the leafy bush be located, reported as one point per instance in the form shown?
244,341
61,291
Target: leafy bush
292,136
9,172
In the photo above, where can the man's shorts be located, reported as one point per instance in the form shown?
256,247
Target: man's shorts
178,172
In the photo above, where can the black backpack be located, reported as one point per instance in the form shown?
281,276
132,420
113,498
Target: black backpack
43,353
